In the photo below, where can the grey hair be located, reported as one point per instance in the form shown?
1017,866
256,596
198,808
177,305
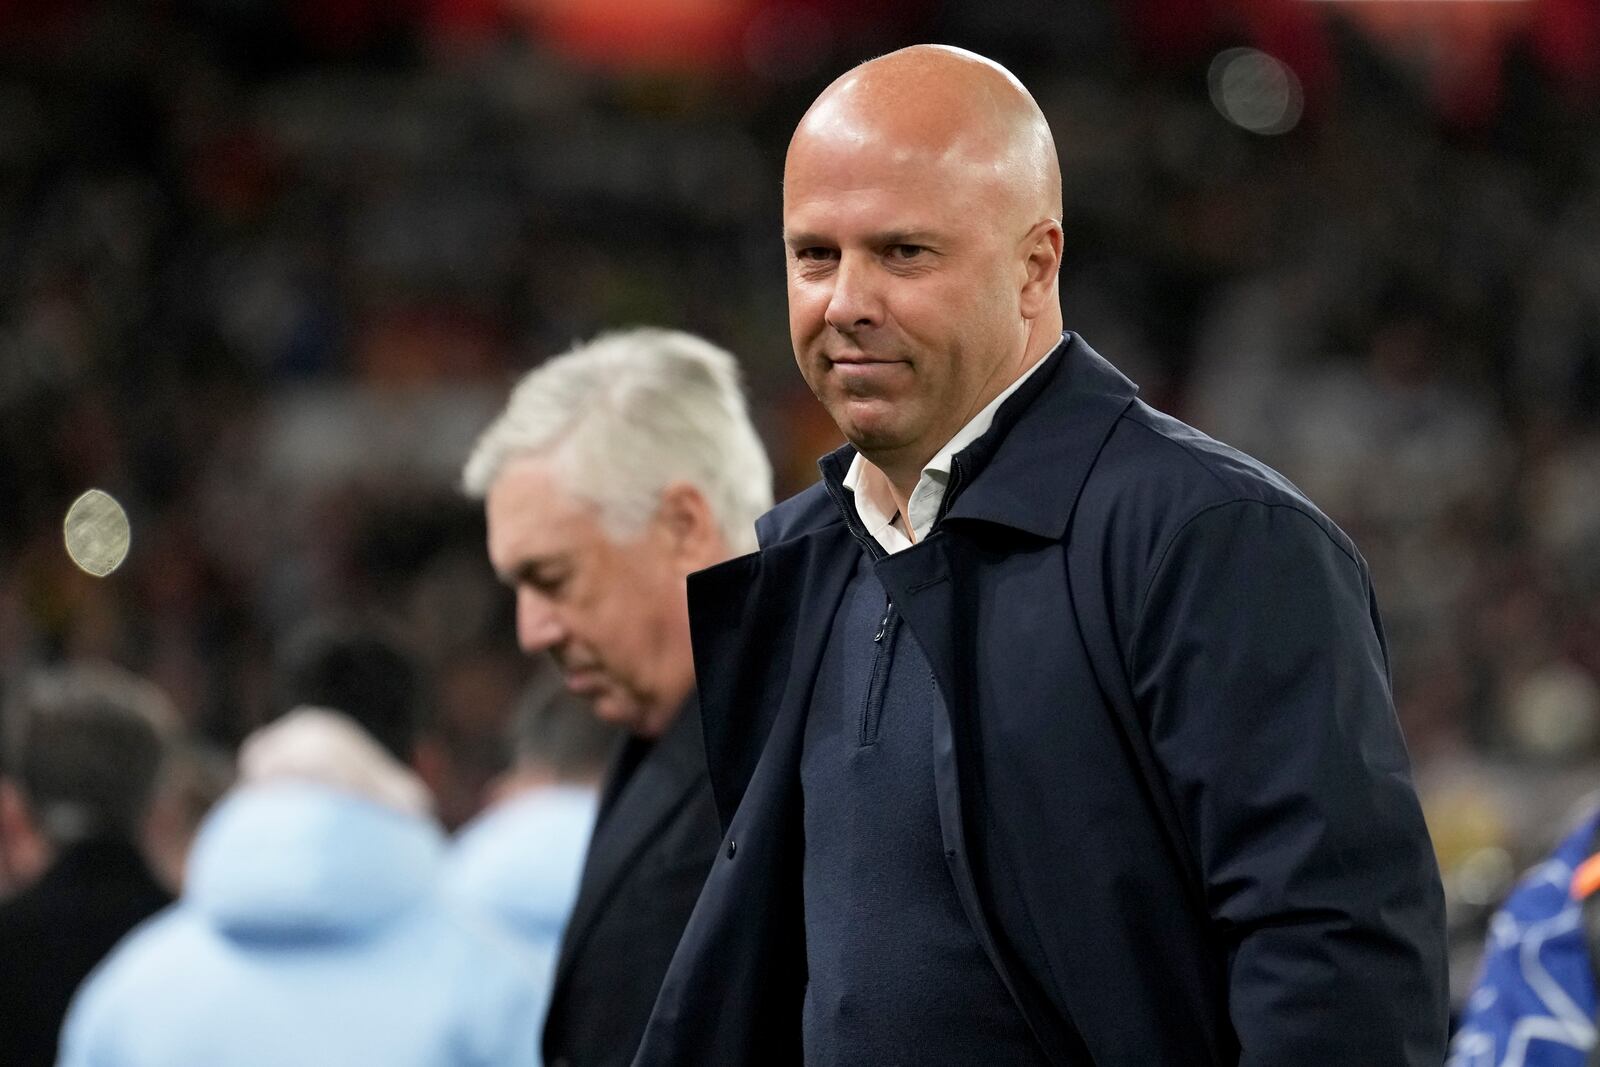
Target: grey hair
628,414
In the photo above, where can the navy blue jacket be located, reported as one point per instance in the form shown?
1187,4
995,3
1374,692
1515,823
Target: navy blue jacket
1173,793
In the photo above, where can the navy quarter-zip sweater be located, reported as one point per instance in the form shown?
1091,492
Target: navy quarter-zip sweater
896,974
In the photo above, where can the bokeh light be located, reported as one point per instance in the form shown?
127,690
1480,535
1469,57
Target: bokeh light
1255,91
97,533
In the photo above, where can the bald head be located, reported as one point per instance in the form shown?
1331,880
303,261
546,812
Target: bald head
947,107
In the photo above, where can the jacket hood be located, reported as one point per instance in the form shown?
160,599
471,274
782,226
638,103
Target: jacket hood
522,858
297,862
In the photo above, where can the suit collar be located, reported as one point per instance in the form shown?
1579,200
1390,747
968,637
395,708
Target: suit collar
1026,470
678,750
648,783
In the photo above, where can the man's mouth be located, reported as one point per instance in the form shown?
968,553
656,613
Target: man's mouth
584,681
860,359
865,376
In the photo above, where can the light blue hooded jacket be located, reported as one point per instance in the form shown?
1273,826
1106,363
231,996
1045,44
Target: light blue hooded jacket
311,933
520,862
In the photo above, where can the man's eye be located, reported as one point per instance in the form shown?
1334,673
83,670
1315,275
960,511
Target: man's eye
814,254
905,251
546,584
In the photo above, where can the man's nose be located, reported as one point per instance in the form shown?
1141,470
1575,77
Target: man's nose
538,625
854,303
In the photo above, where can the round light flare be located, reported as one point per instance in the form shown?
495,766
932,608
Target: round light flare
1254,91
97,533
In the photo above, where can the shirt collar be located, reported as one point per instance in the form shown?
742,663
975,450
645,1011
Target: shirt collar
874,502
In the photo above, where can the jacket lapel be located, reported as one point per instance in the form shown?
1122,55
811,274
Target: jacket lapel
749,642
1026,476
635,809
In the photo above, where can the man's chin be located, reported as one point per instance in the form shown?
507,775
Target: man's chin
618,709
882,449
873,427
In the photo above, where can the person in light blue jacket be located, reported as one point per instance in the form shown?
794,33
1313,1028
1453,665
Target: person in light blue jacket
312,931
520,861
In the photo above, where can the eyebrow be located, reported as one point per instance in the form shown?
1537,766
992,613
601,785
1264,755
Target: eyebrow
805,239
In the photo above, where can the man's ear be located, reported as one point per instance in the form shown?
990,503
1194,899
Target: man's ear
1041,267
694,540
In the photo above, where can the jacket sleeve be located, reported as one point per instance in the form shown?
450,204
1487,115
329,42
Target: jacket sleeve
1258,662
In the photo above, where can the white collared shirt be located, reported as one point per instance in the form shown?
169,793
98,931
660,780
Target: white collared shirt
875,502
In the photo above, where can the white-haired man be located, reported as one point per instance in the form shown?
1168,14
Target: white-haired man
615,471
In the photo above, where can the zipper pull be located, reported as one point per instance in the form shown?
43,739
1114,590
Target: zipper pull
883,627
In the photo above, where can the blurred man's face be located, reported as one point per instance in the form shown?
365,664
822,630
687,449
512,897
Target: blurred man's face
903,281
24,855
613,613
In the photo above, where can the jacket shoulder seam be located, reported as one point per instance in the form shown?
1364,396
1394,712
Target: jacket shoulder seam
1184,447
1183,527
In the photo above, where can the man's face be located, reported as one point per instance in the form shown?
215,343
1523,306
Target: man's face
903,285
613,614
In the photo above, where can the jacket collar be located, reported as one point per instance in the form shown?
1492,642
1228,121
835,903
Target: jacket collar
102,858
678,753
1026,471
647,784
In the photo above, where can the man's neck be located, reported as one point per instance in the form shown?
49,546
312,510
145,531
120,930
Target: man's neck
666,707
900,486
901,497
530,777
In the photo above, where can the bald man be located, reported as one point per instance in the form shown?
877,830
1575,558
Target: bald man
1045,729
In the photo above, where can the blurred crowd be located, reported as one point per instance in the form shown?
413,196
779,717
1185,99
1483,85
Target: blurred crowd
303,899
266,287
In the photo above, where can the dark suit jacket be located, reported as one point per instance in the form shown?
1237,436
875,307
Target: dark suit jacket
654,839
1173,793
54,932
